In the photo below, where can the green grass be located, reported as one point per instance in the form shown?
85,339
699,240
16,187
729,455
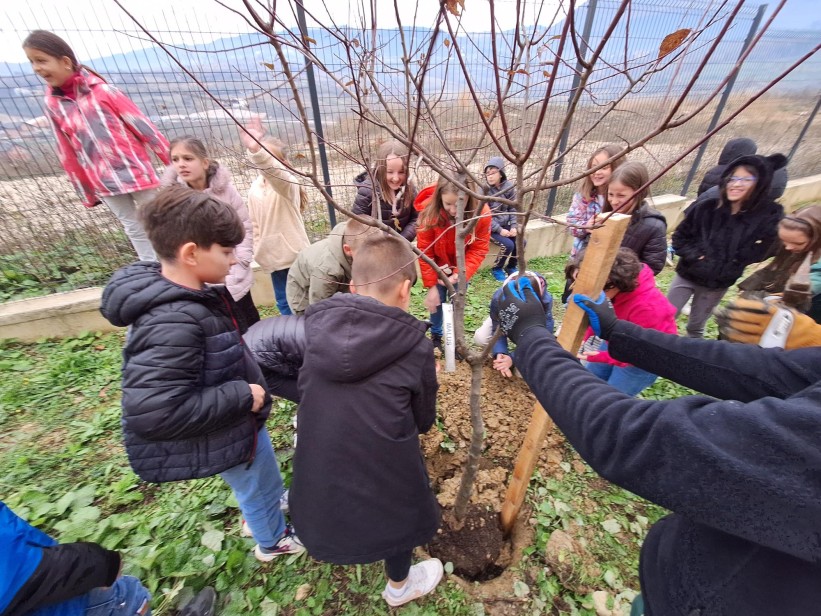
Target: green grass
63,467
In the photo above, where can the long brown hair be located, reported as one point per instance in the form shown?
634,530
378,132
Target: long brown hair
400,150
634,175
54,46
198,149
773,277
587,189
434,211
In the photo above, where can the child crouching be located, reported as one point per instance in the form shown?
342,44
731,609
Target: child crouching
194,401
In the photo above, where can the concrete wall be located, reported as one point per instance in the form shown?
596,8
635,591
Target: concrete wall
68,314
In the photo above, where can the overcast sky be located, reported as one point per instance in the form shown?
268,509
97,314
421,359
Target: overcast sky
96,28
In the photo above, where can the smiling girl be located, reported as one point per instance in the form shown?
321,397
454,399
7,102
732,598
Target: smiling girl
102,137
437,239
191,166
646,234
588,202
393,196
721,236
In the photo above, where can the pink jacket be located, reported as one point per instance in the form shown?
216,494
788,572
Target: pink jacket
221,186
102,138
645,306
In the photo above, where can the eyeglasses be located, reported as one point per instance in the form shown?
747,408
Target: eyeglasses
493,172
738,180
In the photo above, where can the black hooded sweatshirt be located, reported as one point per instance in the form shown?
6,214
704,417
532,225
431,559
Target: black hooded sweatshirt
714,245
186,373
360,491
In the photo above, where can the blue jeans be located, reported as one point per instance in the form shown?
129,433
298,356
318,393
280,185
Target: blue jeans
629,379
258,489
127,597
279,278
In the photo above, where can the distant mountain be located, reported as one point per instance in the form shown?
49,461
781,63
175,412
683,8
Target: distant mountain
234,68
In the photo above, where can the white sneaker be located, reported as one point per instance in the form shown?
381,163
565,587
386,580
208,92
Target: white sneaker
245,530
289,543
685,310
422,579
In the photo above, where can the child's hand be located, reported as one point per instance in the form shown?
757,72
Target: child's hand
259,397
503,363
513,232
255,128
432,299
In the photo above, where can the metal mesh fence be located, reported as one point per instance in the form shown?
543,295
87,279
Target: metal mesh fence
50,242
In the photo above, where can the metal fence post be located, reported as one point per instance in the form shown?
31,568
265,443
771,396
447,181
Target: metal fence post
557,169
323,156
723,100
804,130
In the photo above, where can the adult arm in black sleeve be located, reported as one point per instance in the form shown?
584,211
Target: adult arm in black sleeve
65,571
751,470
720,369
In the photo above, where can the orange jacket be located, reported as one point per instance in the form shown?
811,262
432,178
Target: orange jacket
443,251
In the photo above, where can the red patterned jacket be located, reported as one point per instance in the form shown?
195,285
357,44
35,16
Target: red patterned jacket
102,138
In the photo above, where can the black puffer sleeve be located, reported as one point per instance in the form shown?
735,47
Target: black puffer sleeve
278,343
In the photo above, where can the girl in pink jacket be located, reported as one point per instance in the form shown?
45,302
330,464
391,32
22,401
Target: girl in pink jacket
190,165
631,287
102,137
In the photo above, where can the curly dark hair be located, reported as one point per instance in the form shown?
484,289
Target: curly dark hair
624,275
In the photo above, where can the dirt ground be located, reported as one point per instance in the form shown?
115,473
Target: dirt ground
507,405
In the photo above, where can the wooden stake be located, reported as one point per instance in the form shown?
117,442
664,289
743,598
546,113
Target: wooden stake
598,260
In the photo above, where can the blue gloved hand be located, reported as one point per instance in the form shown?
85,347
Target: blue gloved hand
600,312
519,309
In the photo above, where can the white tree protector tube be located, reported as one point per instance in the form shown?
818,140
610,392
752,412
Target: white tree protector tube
449,337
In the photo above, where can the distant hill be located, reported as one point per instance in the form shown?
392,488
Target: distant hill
230,68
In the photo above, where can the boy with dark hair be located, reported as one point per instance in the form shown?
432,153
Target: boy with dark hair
194,401
324,268
360,490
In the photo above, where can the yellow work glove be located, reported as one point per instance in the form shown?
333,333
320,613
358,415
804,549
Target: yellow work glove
754,321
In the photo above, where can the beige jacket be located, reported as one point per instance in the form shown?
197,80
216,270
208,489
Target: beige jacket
273,205
319,271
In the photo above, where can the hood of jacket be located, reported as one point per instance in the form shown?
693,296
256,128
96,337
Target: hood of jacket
363,180
765,167
83,81
218,184
138,288
736,148
358,336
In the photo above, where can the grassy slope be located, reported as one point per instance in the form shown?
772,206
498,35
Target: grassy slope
62,466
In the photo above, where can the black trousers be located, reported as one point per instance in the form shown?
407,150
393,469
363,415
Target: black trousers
398,566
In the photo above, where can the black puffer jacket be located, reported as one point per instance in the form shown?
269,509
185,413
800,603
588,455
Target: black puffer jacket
360,490
186,373
278,343
734,148
647,237
405,219
715,246
741,474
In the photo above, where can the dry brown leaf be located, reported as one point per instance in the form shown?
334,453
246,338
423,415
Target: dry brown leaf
268,65
308,39
455,6
302,592
522,71
447,42
546,74
355,42
672,41
350,83
555,37
299,156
